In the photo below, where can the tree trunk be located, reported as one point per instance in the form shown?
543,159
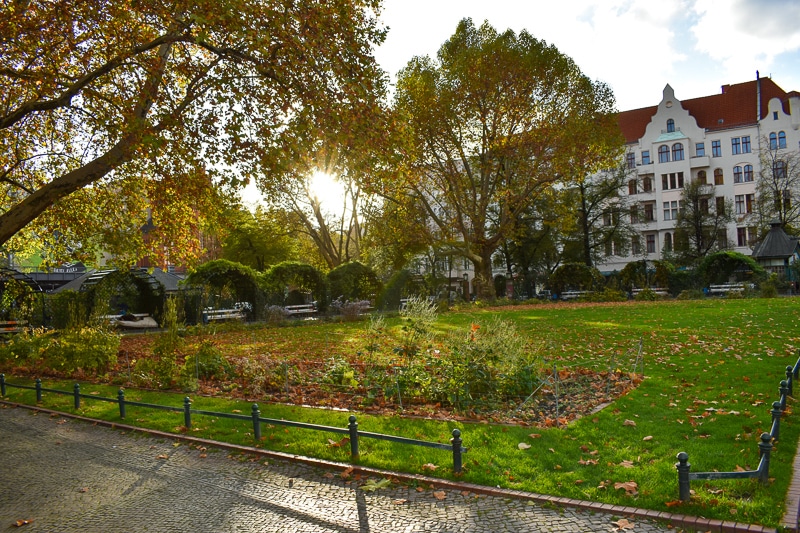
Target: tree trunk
484,283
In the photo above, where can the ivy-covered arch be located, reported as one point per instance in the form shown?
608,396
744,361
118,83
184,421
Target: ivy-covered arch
20,297
576,276
726,265
354,281
223,283
123,291
287,283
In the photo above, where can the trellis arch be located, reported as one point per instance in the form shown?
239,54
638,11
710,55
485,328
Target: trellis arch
299,276
224,283
21,297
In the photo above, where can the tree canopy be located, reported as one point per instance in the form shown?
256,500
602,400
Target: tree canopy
111,109
491,125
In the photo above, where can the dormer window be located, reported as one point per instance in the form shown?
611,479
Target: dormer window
670,126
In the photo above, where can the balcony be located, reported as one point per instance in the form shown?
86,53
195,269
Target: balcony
699,162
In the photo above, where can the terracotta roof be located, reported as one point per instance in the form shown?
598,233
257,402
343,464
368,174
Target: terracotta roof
734,106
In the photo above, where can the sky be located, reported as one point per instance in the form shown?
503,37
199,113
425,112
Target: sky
636,47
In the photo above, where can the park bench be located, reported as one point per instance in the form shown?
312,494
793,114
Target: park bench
573,295
658,290
726,288
301,310
210,314
12,326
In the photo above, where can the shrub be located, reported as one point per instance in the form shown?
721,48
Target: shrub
418,317
647,295
606,295
350,311
691,294
88,349
353,281
275,314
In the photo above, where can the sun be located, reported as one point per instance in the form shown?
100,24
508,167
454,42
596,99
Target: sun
326,189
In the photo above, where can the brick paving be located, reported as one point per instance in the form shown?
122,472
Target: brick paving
68,475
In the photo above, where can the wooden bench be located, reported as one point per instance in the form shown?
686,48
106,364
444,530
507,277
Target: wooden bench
301,310
210,314
13,326
726,288
573,295
658,290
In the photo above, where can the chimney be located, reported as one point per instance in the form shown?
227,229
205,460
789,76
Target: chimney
758,97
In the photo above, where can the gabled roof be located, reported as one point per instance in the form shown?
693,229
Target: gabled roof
776,245
735,106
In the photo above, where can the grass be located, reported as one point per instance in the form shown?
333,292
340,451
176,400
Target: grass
729,355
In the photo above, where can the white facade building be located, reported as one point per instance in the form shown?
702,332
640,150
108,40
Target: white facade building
713,138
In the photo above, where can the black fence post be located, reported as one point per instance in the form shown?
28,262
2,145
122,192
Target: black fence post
765,447
2,384
38,390
353,427
784,392
456,440
121,399
187,412
683,466
776,420
789,380
77,393
256,414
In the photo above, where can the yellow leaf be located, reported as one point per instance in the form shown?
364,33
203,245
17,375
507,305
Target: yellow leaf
440,495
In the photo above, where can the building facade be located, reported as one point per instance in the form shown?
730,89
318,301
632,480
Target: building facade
715,139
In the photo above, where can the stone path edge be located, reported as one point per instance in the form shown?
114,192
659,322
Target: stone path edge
676,520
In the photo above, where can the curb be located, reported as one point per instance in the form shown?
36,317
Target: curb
675,520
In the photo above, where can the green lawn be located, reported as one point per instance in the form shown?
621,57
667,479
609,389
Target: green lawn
712,370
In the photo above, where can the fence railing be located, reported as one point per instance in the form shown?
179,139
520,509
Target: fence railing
255,417
685,476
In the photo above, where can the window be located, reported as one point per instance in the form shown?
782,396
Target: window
744,203
716,149
748,173
663,154
651,244
631,187
700,149
702,205
722,238
737,174
650,212
720,205
636,245
668,242
670,126
647,184
701,177
630,159
645,157
746,145
718,179
746,236
773,141
634,214
736,146
671,210
779,170
781,139
673,180
610,216
677,152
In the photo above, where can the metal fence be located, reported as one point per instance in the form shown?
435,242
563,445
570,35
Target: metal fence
255,417
685,476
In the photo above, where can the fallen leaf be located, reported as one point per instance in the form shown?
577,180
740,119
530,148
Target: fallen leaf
429,466
346,473
626,464
337,444
629,423
631,488
523,446
535,435
328,475
162,456
440,495
465,493
623,524
400,501
20,523
588,462
83,489
673,503
649,437
372,485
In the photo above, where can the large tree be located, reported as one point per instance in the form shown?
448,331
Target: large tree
778,187
702,221
494,123
109,108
